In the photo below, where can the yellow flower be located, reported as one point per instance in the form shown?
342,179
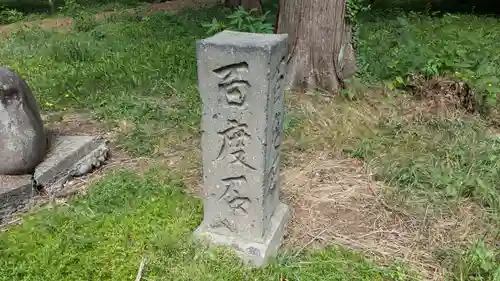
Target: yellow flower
48,103
489,84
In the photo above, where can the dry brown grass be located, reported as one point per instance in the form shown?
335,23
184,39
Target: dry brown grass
336,200
444,93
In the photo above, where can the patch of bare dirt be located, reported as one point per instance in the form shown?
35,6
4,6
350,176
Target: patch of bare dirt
336,201
75,124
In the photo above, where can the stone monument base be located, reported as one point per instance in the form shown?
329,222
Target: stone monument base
252,252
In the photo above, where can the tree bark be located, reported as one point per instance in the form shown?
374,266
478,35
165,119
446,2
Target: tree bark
321,55
233,3
52,7
246,4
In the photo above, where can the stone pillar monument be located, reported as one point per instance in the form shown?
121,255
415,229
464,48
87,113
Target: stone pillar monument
241,81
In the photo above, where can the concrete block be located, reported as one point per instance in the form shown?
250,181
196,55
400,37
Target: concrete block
241,81
70,156
15,194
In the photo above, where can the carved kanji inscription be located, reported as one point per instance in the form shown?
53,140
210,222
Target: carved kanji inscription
236,138
233,83
233,194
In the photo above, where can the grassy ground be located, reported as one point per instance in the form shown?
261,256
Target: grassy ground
145,89
138,77
447,153
104,235
150,83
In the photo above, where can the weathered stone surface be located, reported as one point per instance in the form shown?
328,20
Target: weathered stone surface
258,253
23,143
15,194
240,76
70,156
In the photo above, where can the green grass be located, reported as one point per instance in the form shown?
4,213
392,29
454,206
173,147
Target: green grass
401,43
446,159
434,164
126,69
395,45
144,72
430,166
104,235
34,7
440,159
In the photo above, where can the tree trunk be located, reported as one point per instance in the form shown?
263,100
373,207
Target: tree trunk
233,3
52,7
321,55
246,4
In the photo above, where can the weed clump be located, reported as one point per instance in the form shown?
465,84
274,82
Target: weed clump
444,93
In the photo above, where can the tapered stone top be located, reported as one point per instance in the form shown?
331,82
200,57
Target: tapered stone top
244,39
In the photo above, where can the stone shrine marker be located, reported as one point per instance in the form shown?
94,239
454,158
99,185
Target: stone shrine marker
241,81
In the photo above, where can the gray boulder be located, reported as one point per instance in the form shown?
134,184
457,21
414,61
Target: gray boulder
23,143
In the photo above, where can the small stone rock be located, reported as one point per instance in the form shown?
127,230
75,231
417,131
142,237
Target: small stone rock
23,143
84,168
57,186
